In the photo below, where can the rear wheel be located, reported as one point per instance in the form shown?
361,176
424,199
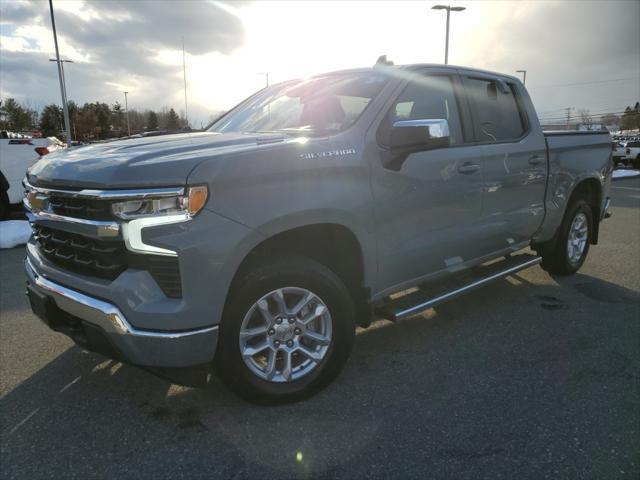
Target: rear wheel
566,253
287,331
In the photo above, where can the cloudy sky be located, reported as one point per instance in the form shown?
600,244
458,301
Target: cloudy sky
582,54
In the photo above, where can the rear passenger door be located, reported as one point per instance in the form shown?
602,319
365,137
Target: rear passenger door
514,162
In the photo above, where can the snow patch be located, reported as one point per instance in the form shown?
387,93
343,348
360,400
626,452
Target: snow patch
14,233
625,173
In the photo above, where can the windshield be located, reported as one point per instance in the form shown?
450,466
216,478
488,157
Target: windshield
317,106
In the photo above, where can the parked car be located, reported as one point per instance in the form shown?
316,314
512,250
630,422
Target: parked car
619,154
17,153
632,151
257,246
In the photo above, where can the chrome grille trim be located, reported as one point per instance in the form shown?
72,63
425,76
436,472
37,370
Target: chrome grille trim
134,194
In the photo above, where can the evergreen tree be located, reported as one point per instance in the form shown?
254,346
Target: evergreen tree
152,121
51,120
173,121
16,117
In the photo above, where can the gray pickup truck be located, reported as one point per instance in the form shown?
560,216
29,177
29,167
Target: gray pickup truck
256,247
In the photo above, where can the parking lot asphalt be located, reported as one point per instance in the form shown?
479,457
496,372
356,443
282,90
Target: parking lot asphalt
531,377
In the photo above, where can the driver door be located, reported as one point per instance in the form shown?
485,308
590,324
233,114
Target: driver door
428,208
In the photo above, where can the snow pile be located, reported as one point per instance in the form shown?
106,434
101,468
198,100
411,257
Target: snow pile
13,233
625,173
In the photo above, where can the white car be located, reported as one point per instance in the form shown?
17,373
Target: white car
17,153
619,154
632,150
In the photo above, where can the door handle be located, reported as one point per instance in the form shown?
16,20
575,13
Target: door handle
536,160
468,168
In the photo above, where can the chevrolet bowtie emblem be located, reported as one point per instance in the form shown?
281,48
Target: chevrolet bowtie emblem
38,201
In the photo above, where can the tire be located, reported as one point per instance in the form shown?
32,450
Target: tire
636,163
557,256
296,278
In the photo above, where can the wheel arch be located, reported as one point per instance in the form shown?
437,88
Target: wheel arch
334,245
590,189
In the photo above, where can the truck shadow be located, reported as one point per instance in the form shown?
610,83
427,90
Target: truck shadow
464,358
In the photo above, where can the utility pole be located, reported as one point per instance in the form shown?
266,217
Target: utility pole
63,92
184,74
524,76
449,9
568,109
126,107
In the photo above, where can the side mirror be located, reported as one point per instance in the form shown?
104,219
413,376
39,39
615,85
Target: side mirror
422,134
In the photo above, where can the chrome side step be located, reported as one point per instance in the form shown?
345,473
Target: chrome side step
431,295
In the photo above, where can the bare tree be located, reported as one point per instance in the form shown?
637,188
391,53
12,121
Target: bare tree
585,118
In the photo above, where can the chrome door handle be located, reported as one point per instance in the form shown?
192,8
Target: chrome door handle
536,160
468,168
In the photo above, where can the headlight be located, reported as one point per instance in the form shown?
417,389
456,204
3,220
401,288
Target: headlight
189,204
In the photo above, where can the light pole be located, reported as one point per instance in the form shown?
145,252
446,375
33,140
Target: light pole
524,76
126,107
64,83
63,92
64,79
449,9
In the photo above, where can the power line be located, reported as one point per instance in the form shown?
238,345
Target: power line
585,83
592,114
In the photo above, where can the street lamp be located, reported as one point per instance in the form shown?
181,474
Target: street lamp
524,75
449,9
126,107
63,92
64,80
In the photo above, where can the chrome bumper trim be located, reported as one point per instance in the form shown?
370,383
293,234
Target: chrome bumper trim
100,313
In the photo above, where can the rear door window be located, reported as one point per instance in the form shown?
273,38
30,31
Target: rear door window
496,114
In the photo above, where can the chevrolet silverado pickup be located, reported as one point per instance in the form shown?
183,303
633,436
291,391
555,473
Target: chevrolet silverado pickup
253,249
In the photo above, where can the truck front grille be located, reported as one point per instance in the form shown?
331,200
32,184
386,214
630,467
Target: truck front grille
95,258
80,207
104,259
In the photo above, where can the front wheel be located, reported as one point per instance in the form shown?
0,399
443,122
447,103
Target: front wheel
287,331
566,253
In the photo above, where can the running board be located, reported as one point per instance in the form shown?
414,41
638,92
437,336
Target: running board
432,294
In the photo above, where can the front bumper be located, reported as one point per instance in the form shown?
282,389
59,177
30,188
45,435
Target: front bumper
101,326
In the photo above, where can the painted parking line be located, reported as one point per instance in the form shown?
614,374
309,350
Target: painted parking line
69,384
25,420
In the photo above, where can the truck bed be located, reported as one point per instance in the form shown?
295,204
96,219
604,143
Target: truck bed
574,156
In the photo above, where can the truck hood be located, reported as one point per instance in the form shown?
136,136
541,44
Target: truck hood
142,162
